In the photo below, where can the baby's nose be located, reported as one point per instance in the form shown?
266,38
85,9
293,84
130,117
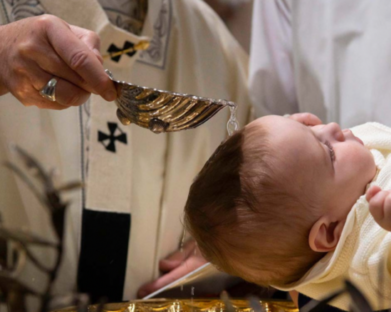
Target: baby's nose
335,130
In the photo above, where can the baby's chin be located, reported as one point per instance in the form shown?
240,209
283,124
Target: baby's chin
370,179
374,167
369,168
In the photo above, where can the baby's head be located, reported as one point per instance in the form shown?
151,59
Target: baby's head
274,197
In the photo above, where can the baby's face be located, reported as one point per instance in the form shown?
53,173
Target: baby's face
325,164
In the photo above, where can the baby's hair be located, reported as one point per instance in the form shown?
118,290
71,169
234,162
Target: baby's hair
244,218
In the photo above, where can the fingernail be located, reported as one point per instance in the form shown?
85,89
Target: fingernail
110,95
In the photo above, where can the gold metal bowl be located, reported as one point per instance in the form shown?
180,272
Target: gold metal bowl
161,110
190,305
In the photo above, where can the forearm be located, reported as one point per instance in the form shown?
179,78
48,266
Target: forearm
3,89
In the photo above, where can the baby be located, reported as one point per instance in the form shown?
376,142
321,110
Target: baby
282,203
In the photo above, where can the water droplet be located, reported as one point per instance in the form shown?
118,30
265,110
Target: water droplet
232,124
181,248
183,236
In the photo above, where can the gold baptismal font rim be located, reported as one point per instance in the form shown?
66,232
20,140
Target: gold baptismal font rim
190,305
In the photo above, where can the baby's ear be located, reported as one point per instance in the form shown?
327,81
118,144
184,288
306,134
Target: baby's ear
325,234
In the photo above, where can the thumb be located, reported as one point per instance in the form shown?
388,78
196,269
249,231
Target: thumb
167,265
90,38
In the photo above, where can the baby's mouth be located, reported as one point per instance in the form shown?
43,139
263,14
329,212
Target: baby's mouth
358,140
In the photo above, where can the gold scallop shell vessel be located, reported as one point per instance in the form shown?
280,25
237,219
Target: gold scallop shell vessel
190,305
161,110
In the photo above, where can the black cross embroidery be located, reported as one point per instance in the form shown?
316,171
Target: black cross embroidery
121,137
113,48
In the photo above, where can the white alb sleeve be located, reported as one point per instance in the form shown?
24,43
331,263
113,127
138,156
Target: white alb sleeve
271,80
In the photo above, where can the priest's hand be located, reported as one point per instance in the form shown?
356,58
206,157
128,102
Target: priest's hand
36,49
380,206
174,267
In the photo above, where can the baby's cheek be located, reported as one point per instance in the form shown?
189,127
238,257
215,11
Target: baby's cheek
351,163
364,165
369,164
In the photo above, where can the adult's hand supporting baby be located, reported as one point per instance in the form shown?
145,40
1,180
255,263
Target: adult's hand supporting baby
380,206
307,119
175,266
36,49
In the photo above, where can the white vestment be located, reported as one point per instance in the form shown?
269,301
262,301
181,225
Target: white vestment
330,58
147,177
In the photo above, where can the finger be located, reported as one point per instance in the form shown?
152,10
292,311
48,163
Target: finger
295,297
79,57
66,93
166,265
176,259
180,255
70,95
28,96
188,266
376,206
50,62
90,38
372,191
